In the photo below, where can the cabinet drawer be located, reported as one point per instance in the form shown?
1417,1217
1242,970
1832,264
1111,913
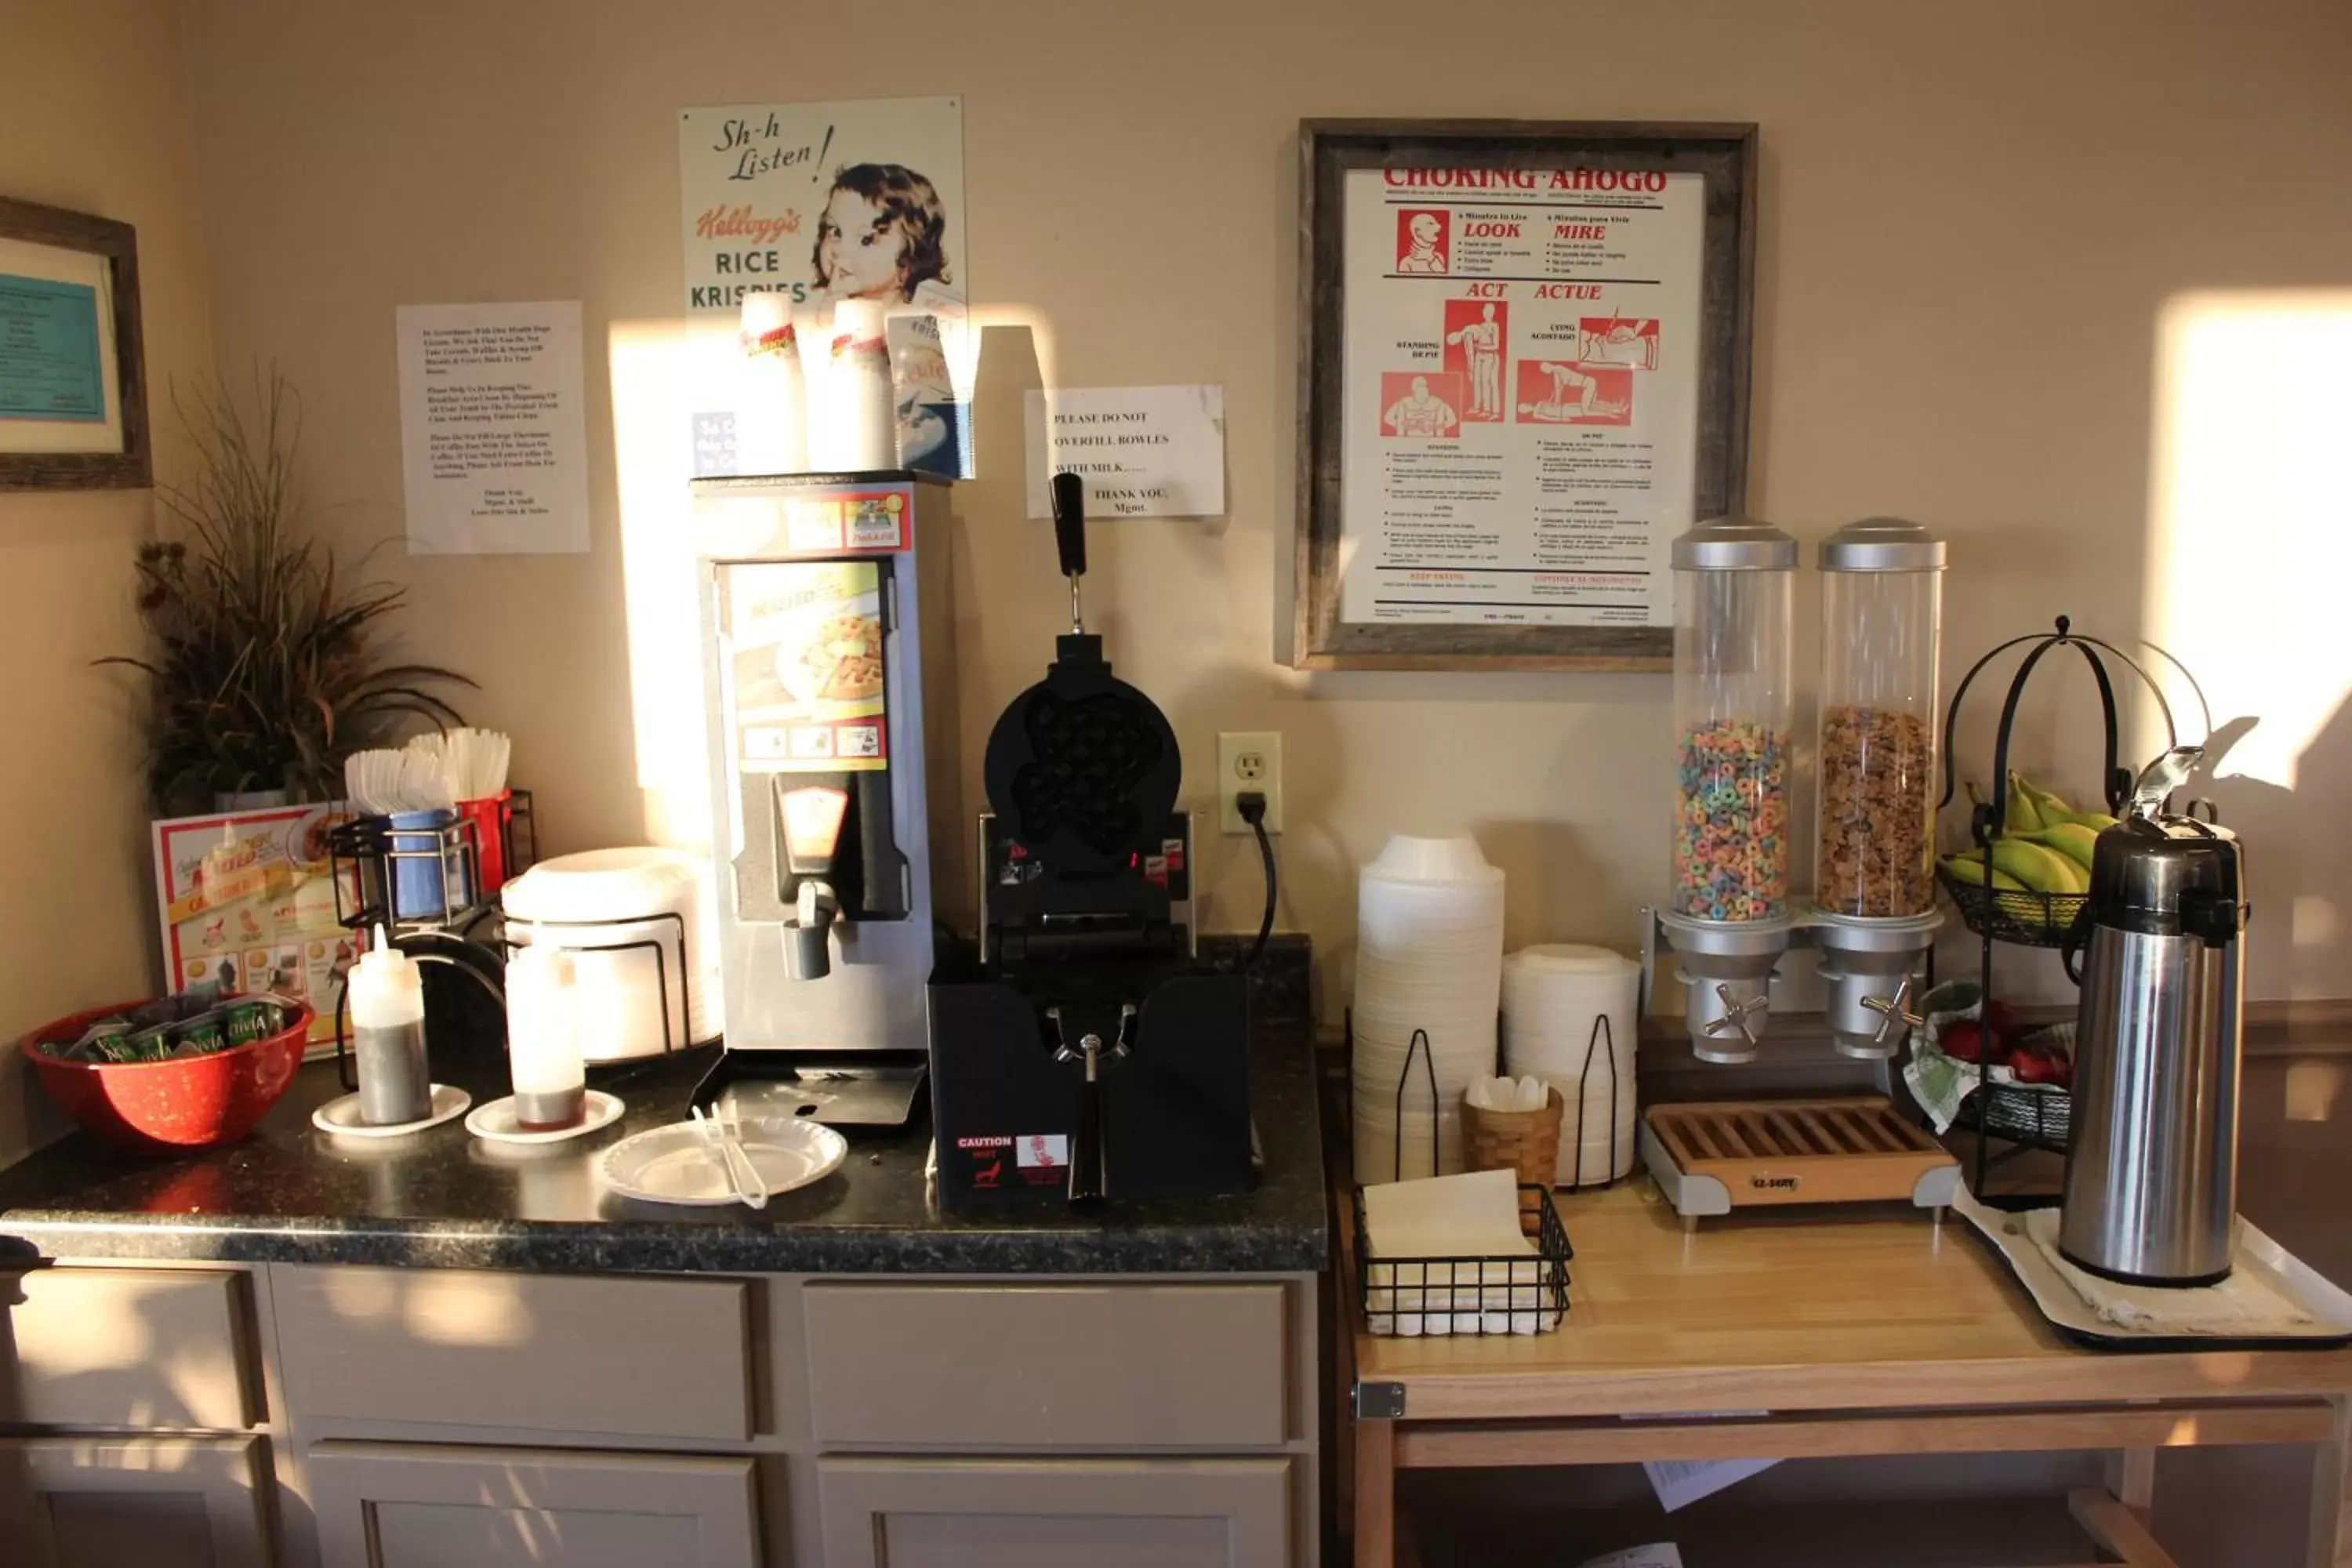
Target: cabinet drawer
653,1358
135,1347
1047,1366
1063,1514
402,1505
103,1502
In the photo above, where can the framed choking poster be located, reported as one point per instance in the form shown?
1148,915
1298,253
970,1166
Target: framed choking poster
1523,370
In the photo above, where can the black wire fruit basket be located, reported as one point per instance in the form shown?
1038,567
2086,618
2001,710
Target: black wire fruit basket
2005,914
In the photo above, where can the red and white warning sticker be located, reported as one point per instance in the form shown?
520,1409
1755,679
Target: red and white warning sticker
1042,1150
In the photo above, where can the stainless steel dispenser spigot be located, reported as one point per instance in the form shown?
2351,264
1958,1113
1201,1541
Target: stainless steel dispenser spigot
808,948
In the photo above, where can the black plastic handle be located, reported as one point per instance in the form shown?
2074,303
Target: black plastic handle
2076,944
1088,1181
1070,524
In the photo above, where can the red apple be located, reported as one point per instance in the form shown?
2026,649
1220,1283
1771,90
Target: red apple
1963,1040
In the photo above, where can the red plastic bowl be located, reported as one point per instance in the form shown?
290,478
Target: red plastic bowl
170,1107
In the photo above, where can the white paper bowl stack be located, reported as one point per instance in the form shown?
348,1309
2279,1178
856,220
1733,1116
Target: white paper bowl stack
605,899
1429,956
1552,995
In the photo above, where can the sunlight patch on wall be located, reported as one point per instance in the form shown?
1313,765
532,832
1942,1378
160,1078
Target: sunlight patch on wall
2251,539
663,373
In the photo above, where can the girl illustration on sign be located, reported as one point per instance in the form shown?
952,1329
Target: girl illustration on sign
884,236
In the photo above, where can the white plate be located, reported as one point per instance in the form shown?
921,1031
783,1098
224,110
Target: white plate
496,1122
342,1117
675,1164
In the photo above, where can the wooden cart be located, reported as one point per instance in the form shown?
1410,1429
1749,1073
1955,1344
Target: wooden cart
1860,1336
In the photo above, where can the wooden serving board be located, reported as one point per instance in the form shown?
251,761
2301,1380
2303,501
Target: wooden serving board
1798,1150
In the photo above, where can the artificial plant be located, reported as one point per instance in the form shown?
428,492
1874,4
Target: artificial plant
264,664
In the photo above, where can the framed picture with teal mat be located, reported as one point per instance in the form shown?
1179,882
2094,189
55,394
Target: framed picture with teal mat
73,382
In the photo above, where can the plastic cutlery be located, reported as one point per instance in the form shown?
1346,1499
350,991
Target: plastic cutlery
748,1185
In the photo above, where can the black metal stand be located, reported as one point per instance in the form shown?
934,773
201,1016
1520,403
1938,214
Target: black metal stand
1602,1037
2028,1118
364,857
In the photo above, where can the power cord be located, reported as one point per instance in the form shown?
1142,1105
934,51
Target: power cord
1251,805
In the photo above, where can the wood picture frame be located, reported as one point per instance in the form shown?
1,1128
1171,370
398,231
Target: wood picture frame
49,258
1725,155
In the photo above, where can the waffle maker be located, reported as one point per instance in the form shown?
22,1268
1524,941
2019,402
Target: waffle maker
1081,1051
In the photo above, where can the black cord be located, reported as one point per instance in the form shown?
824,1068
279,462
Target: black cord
1252,807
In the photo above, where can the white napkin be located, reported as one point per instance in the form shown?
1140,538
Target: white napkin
1528,1093
1475,1215
2244,1305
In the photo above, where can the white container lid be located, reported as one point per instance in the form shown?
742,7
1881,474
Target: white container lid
622,884
1571,958
1405,858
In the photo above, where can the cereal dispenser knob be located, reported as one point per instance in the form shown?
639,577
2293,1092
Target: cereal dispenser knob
1895,1010
1735,1015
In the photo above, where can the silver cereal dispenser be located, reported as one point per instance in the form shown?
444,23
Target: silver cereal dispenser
1875,912
1728,916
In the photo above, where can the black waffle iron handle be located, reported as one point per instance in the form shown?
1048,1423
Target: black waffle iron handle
1089,1181
1070,538
1090,1157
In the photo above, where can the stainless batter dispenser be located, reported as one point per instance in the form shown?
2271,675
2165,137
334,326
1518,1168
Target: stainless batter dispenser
829,670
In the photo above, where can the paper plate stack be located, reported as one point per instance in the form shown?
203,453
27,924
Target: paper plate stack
1429,957
1554,997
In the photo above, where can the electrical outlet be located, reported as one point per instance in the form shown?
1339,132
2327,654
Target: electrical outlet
1249,760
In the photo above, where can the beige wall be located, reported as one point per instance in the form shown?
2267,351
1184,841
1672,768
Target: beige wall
94,117
1970,219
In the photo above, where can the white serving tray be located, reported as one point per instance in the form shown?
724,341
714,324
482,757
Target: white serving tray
2072,1316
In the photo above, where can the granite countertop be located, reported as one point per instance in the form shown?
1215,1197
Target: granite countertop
442,1198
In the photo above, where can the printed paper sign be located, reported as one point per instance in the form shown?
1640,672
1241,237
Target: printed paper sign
1520,404
50,367
826,202
57,370
1680,1483
804,650
1143,451
247,901
493,440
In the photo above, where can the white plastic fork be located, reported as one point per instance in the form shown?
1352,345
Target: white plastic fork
747,1184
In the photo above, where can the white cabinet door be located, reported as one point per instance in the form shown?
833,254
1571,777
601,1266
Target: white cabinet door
402,1505
1055,1513
104,1502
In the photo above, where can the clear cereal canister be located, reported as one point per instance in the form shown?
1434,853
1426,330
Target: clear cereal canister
1734,702
1881,618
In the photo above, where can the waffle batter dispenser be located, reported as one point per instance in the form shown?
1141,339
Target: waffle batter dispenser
1083,1052
829,668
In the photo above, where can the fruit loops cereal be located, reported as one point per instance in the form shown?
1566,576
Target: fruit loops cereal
1731,829
1876,850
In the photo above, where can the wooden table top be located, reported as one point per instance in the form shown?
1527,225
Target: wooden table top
1871,1308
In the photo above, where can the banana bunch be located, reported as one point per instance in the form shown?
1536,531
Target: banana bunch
2044,846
